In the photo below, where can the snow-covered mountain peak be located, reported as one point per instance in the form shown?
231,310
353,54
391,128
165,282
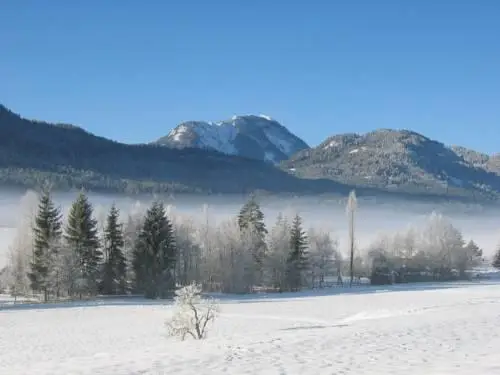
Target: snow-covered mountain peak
259,137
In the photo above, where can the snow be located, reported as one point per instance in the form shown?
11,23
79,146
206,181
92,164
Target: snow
332,144
280,142
178,133
421,329
215,136
218,137
269,156
221,135
268,118
456,181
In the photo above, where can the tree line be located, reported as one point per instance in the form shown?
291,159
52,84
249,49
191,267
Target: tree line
151,251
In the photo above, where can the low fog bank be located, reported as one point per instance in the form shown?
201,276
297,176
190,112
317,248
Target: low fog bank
373,217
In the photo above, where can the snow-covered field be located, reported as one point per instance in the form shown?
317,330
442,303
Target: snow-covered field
427,330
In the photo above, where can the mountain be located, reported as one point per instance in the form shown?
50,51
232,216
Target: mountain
383,163
256,137
32,152
490,163
399,160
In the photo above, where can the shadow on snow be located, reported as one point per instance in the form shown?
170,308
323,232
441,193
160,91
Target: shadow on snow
245,298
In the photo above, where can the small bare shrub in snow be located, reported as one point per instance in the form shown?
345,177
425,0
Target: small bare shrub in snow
192,313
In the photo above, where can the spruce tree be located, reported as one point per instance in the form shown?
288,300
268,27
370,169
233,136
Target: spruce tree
474,250
46,233
155,254
297,260
496,259
251,219
115,268
81,237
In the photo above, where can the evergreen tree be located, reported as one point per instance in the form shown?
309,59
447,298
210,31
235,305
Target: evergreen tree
81,237
251,220
115,268
473,250
496,259
252,217
155,254
46,234
297,260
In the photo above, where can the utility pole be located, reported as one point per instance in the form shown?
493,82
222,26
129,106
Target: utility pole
351,208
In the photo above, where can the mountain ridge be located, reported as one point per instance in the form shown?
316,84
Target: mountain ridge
392,158
68,156
33,152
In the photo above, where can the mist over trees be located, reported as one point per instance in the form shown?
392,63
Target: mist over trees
154,250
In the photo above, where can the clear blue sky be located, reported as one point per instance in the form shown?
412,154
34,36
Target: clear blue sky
131,70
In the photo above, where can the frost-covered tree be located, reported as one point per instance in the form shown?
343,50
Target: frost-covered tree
4,279
47,231
225,261
467,257
234,257
322,256
206,235
443,242
409,245
114,279
18,281
380,253
155,254
435,248
82,238
21,250
131,229
297,259
351,210
275,264
101,213
64,277
188,251
192,313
